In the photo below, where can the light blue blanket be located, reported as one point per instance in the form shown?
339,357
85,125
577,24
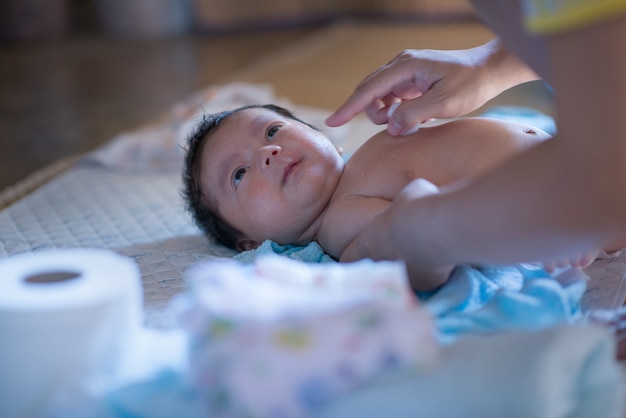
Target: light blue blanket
476,299
311,253
522,114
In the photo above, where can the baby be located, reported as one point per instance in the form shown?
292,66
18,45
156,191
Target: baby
258,172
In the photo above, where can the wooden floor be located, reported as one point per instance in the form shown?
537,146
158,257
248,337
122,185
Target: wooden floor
64,98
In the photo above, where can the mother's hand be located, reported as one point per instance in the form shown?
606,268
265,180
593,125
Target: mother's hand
433,84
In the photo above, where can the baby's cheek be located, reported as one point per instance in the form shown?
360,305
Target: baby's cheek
261,199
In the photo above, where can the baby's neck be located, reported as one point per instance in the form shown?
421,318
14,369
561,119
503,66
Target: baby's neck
313,230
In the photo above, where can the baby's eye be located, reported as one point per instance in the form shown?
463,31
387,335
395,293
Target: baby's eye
238,175
272,131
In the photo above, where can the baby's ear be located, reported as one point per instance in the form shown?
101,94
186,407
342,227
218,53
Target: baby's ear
245,244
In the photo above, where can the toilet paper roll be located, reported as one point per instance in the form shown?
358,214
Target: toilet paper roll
66,318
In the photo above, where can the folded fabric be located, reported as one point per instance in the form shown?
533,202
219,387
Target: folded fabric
561,372
280,337
509,298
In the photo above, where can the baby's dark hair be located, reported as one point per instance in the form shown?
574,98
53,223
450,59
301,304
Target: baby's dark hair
203,207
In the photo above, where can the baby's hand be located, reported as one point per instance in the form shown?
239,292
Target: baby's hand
581,261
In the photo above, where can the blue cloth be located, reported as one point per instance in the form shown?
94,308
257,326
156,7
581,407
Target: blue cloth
498,299
522,114
311,253
165,395
476,299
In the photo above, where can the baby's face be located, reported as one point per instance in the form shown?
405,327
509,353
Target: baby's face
271,176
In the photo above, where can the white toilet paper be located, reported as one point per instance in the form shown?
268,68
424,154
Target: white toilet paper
66,318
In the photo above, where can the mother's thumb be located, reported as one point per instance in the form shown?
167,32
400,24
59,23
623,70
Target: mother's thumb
409,116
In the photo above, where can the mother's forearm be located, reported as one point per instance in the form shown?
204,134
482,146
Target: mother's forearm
504,17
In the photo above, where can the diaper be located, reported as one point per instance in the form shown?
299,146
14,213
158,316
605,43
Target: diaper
284,338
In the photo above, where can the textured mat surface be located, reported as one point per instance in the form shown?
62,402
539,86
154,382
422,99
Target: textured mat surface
95,207
137,215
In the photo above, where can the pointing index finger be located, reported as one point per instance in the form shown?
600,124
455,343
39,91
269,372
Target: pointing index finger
355,104
378,85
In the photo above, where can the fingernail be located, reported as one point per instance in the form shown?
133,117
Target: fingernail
413,129
392,109
395,128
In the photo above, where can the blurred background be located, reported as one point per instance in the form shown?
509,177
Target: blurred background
74,73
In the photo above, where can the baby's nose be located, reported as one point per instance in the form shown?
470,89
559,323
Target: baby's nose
267,160
268,153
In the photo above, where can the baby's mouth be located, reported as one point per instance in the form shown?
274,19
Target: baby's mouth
288,171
